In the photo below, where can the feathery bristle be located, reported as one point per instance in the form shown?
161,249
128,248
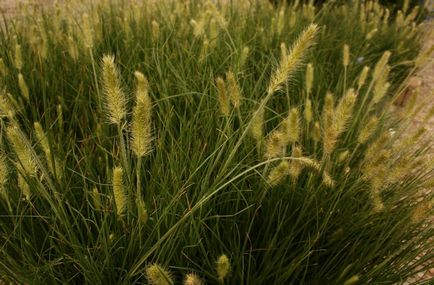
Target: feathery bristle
293,61
42,138
223,97
346,55
141,126
115,101
223,267
23,87
233,89
22,149
193,279
119,191
158,275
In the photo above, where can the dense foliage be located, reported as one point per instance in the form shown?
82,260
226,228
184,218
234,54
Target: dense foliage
230,142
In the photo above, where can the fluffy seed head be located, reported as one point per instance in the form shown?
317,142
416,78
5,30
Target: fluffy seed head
367,130
141,128
18,59
309,78
295,166
381,65
233,89
198,28
42,138
278,173
119,191
244,55
316,132
96,198
223,97
23,87
257,126
142,213
22,149
158,275
6,107
115,101
344,110
72,48
88,37
291,63
223,267
293,125
371,34
346,55
275,144
155,30
308,111
192,279
362,77
24,187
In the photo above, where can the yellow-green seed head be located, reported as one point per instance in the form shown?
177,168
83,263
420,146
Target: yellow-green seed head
257,125
96,199
198,28
367,130
22,149
308,115
293,126
346,55
88,32
6,107
244,55
158,275
24,187
119,191
141,125
309,78
18,59
223,267
362,77
115,101
223,97
381,65
155,30
193,279
72,48
23,87
233,89
275,144
293,61
142,212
